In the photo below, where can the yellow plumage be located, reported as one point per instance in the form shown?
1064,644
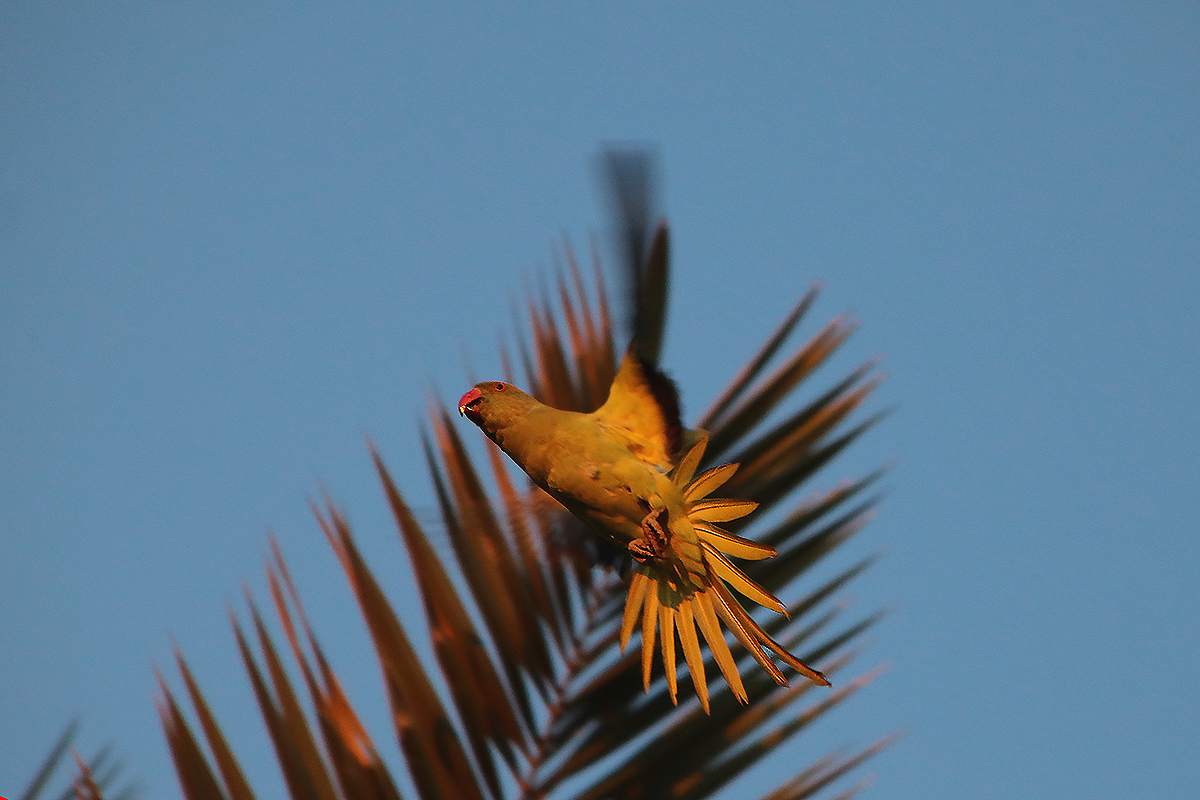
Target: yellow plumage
666,599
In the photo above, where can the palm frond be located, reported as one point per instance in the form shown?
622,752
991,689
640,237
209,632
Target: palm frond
93,777
43,774
539,700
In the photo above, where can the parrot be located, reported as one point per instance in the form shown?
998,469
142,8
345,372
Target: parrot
614,469
628,471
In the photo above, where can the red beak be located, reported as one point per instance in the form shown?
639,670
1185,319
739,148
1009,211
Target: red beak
468,398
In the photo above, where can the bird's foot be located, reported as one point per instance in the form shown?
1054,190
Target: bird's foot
653,542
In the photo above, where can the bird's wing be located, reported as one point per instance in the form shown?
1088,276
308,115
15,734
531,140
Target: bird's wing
642,243
642,411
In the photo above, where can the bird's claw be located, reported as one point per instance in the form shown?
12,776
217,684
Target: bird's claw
653,542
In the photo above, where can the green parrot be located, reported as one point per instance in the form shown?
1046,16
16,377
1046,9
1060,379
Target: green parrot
628,469
619,470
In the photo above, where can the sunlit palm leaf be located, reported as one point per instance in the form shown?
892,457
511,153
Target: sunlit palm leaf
478,691
86,786
437,761
541,697
236,785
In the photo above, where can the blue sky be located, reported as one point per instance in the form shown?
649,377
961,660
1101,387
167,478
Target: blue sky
233,240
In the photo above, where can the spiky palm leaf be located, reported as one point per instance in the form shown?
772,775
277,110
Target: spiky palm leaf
92,777
541,693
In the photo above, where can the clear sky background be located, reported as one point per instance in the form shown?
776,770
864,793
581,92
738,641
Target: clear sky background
233,240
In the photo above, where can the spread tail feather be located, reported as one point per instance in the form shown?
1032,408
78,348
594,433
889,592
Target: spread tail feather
659,598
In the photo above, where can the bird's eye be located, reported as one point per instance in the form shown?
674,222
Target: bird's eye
500,387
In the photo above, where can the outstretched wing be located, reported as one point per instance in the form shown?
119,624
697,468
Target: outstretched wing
642,411
643,243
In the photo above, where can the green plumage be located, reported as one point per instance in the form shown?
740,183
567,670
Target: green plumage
609,467
622,469
627,469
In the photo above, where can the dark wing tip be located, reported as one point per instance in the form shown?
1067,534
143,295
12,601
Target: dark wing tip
666,395
632,176
642,242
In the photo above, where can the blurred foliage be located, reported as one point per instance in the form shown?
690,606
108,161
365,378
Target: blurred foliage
538,700
93,778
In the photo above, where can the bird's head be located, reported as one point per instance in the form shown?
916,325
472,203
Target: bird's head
494,405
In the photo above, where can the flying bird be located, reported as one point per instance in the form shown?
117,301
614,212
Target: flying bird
628,470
